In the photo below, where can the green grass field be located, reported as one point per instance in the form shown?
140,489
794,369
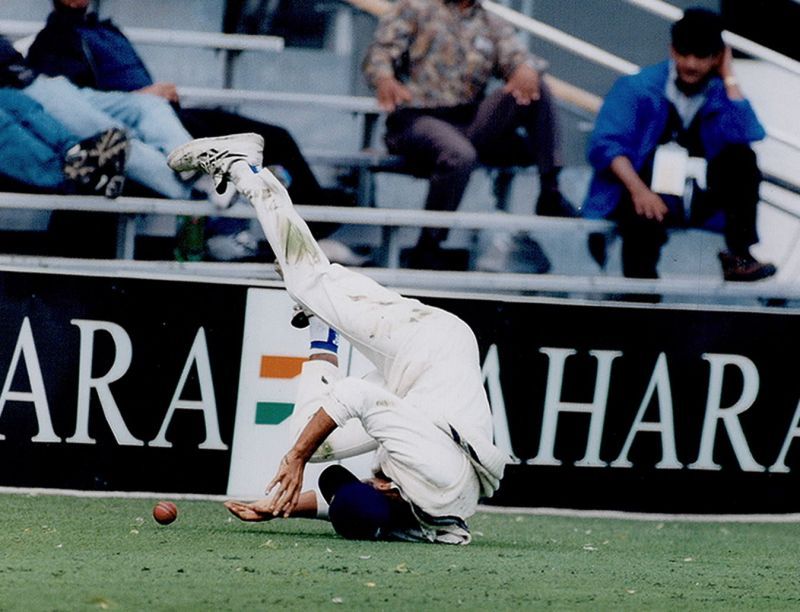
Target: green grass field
62,553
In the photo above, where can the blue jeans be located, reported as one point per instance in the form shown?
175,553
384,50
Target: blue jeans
152,126
33,143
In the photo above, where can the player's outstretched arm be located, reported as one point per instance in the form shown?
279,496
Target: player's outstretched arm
259,510
288,481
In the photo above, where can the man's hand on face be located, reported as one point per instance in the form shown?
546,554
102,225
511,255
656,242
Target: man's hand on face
725,67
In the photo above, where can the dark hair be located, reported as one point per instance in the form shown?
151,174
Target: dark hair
698,32
359,512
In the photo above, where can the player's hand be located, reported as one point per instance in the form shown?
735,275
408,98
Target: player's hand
251,512
524,84
391,93
649,204
285,488
168,91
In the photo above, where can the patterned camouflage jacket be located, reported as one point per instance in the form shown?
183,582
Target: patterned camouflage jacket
444,56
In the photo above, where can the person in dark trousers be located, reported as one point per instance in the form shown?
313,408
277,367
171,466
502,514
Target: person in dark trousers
431,63
92,52
687,118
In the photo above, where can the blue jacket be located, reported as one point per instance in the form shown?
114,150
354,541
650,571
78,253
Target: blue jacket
633,118
88,51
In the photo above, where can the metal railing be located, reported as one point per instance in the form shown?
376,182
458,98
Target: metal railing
132,209
771,292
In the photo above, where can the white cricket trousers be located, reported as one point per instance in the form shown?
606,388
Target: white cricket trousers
427,359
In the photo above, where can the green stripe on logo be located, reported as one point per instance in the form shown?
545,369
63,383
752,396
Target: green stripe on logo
272,413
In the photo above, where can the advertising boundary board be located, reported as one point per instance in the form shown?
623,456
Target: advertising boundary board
116,383
169,385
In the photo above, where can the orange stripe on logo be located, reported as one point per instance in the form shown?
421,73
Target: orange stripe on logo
276,366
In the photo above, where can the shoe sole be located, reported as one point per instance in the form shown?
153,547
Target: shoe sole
185,157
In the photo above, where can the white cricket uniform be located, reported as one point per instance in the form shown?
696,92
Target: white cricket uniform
425,406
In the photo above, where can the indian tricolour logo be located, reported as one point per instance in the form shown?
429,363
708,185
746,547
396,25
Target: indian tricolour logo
273,353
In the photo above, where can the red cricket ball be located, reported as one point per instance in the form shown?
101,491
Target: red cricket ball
165,512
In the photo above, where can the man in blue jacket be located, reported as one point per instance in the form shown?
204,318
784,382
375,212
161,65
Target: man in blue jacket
684,119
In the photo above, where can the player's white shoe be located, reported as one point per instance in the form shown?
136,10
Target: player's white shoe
216,155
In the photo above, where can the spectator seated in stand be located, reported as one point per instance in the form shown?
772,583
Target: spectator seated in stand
685,118
42,156
94,53
430,63
150,123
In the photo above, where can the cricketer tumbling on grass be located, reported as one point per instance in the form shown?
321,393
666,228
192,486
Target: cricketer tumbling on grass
424,408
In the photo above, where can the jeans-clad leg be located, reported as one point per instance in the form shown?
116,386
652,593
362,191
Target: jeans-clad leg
33,142
73,107
150,118
26,158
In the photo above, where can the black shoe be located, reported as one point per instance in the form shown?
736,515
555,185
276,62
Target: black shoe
744,268
242,246
338,196
552,204
532,253
300,319
113,148
96,165
598,248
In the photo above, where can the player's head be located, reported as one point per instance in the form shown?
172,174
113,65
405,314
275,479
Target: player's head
698,33
357,510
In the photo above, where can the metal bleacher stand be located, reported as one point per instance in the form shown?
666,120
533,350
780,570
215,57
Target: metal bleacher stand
371,160
390,219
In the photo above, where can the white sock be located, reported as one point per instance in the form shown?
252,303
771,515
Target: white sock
322,505
324,339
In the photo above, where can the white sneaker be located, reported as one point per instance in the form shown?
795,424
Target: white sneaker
338,252
232,247
216,155
496,256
